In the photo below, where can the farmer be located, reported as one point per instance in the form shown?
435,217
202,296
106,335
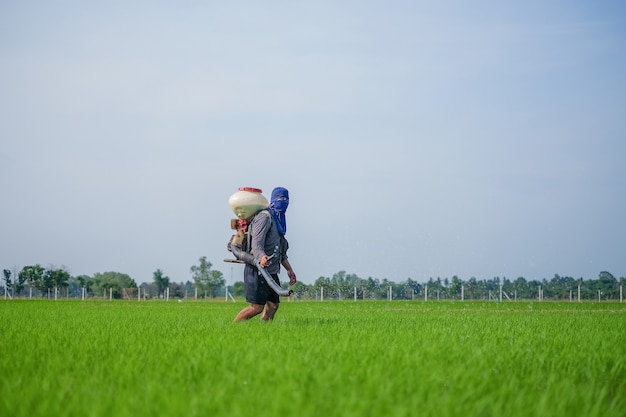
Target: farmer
269,247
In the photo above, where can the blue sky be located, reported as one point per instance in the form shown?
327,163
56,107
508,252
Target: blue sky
417,139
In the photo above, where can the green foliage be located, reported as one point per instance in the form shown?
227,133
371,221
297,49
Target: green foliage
206,280
58,278
84,281
41,279
34,276
20,283
239,289
342,285
102,283
161,281
210,283
8,283
332,359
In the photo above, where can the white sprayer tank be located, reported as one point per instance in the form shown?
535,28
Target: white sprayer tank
247,201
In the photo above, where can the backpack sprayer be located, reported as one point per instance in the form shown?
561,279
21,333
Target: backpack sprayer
246,203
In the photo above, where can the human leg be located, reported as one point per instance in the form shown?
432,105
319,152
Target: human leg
256,294
248,312
273,301
270,311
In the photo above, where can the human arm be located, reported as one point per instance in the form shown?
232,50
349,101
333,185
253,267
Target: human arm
290,271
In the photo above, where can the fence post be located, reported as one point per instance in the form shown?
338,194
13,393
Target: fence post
426,293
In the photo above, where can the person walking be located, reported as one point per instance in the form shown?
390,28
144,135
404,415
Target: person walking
269,247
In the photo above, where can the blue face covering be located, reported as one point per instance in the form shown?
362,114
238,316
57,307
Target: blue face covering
278,206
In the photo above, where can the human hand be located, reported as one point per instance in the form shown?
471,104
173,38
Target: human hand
292,277
264,261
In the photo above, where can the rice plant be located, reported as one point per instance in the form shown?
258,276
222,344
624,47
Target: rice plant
101,358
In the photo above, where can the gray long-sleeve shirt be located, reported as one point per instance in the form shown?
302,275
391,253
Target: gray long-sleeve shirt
266,240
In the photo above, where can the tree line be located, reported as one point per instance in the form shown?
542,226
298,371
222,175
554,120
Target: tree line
35,280
207,282
344,285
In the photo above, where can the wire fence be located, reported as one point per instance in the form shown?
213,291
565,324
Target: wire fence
311,293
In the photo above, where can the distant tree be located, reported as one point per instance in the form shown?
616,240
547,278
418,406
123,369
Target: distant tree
177,290
112,281
371,287
149,290
33,275
471,289
383,289
8,284
607,284
455,287
321,282
507,288
205,279
73,287
493,285
84,281
161,281
520,288
239,289
559,288
587,288
400,291
216,280
189,287
412,288
20,282
56,278
339,285
436,289
353,280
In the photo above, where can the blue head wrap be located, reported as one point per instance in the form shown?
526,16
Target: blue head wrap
278,206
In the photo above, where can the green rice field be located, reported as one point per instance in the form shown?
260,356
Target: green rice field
336,358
